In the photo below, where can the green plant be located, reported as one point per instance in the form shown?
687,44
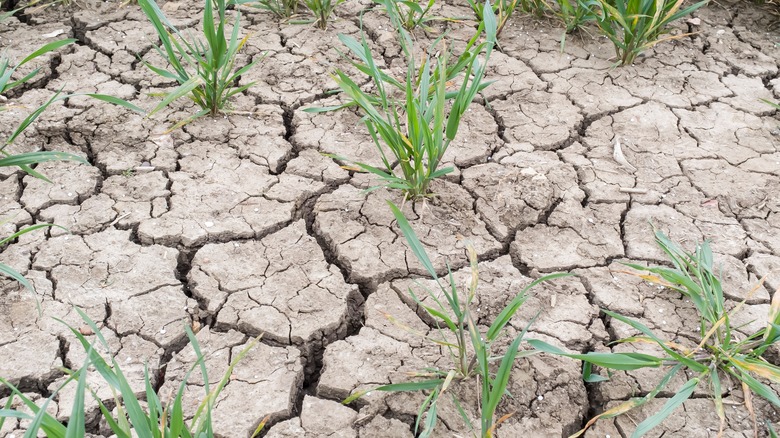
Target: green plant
321,9
416,129
536,7
206,70
412,13
503,9
774,105
6,71
282,9
575,13
9,271
132,419
26,160
472,351
721,350
8,4
636,25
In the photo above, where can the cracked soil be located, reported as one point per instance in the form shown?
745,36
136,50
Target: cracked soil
240,226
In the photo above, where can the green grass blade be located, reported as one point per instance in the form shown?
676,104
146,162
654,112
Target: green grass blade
37,421
31,118
683,394
30,158
771,430
180,91
10,272
47,423
509,310
76,427
113,100
690,363
615,361
46,48
414,243
29,229
109,418
501,379
153,405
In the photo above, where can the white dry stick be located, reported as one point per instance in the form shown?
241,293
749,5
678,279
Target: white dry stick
638,190
54,34
119,218
617,154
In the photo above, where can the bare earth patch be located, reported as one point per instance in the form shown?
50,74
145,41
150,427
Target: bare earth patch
256,223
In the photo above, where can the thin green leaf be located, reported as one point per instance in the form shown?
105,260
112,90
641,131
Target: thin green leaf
411,239
683,394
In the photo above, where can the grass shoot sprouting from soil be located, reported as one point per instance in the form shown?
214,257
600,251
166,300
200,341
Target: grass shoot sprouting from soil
7,71
575,13
721,351
321,10
413,14
503,9
472,351
413,121
634,26
204,69
281,9
131,419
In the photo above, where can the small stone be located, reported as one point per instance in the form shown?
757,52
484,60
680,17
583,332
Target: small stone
86,330
208,224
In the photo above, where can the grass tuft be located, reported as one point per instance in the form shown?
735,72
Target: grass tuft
721,351
204,69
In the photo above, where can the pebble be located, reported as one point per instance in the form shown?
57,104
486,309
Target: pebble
208,224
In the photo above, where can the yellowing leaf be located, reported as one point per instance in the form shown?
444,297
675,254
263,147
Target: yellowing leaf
609,413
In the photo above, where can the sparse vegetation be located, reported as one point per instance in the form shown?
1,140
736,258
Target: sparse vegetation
154,419
634,26
205,71
722,350
432,114
321,10
472,351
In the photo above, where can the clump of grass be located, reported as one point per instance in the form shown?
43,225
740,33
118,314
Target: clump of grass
575,13
412,14
416,129
132,419
281,9
634,26
503,9
205,71
472,351
721,350
322,10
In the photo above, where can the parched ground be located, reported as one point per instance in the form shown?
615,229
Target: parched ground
239,226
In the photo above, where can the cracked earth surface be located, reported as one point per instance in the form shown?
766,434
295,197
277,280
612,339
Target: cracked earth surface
240,226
